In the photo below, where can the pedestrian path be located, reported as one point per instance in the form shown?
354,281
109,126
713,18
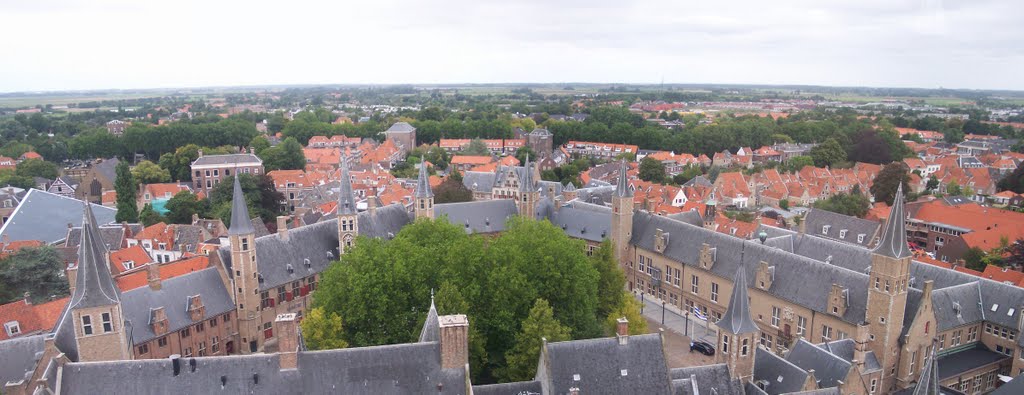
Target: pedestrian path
686,324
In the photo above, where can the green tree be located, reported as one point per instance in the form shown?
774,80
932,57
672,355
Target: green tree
182,206
36,270
523,152
127,189
286,156
954,189
853,204
891,176
452,191
933,183
147,172
784,204
629,309
259,144
974,257
261,196
148,216
540,325
798,162
323,331
611,280
475,147
652,170
37,168
829,153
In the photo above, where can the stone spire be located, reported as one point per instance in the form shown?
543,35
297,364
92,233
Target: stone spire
527,182
241,223
928,383
737,319
93,285
894,239
431,327
346,199
622,190
423,182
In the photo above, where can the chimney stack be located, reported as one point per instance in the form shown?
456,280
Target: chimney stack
860,346
153,276
282,227
622,330
371,200
176,363
454,334
288,340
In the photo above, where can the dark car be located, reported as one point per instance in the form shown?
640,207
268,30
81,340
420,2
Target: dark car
703,347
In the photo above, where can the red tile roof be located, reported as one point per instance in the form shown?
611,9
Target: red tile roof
136,254
32,318
138,277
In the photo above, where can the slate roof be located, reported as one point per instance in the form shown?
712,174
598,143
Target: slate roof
622,188
737,319
829,369
596,195
599,364
226,159
951,365
346,199
107,168
894,236
431,327
782,376
792,272
516,388
173,296
479,181
591,224
816,219
113,235
707,378
1014,387
928,382
18,357
241,223
423,184
45,216
844,349
401,127
481,216
94,285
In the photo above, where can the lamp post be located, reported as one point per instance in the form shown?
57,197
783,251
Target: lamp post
686,326
663,313
642,303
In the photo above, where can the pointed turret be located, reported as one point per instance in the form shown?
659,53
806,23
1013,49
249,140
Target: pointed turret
241,223
423,183
346,199
737,319
569,187
527,184
894,239
622,190
94,285
928,383
431,327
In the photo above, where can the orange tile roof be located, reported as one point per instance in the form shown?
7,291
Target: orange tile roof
32,318
138,277
471,159
1004,275
136,254
165,190
109,197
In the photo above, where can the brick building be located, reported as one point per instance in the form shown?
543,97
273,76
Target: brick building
209,170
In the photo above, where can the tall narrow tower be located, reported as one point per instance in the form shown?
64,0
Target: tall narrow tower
244,272
622,217
348,217
528,193
424,196
737,332
96,303
887,290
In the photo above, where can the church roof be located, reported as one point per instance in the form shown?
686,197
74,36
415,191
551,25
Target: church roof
346,199
240,220
94,285
894,239
423,183
737,319
622,188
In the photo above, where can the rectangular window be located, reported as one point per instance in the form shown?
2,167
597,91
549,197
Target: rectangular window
642,264
874,385
87,324
744,348
913,360
162,342
826,333
144,349
801,325
714,292
295,289
202,349
281,292
213,322
972,334
107,324
694,284
186,332
725,343
942,341
188,352
215,345
775,316
675,280
200,327
955,341
268,330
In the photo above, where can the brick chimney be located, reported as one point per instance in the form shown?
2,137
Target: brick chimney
153,276
282,227
454,334
288,340
860,346
371,200
622,331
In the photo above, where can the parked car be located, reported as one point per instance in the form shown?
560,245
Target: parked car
702,347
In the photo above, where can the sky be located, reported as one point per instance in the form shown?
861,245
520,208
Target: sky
52,45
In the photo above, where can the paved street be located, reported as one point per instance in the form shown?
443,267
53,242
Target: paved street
677,334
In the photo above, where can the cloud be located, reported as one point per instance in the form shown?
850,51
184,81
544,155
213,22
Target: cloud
77,44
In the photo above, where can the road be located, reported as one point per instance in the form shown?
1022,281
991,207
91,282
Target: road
679,332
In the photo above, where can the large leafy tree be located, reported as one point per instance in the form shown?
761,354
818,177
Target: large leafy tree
126,188
148,216
36,270
652,170
540,325
182,206
892,175
323,331
852,204
452,191
611,280
286,156
630,310
261,196
475,147
382,288
829,153
147,172
37,168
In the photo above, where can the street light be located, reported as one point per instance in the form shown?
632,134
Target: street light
686,327
663,313
642,303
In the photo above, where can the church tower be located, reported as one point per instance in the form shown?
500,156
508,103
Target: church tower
95,305
245,276
622,217
424,196
738,334
528,193
887,290
348,217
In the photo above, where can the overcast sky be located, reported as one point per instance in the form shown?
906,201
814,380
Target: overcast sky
92,44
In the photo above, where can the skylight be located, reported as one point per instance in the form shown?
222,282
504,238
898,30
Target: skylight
995,307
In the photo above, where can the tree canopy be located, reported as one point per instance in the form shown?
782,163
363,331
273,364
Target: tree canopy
127,193
885,184
323,331
652,170
852,204
261,196
147,172
36,270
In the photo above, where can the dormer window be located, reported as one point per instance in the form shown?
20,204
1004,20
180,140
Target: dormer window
860,238
842,234
824,229
12,328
